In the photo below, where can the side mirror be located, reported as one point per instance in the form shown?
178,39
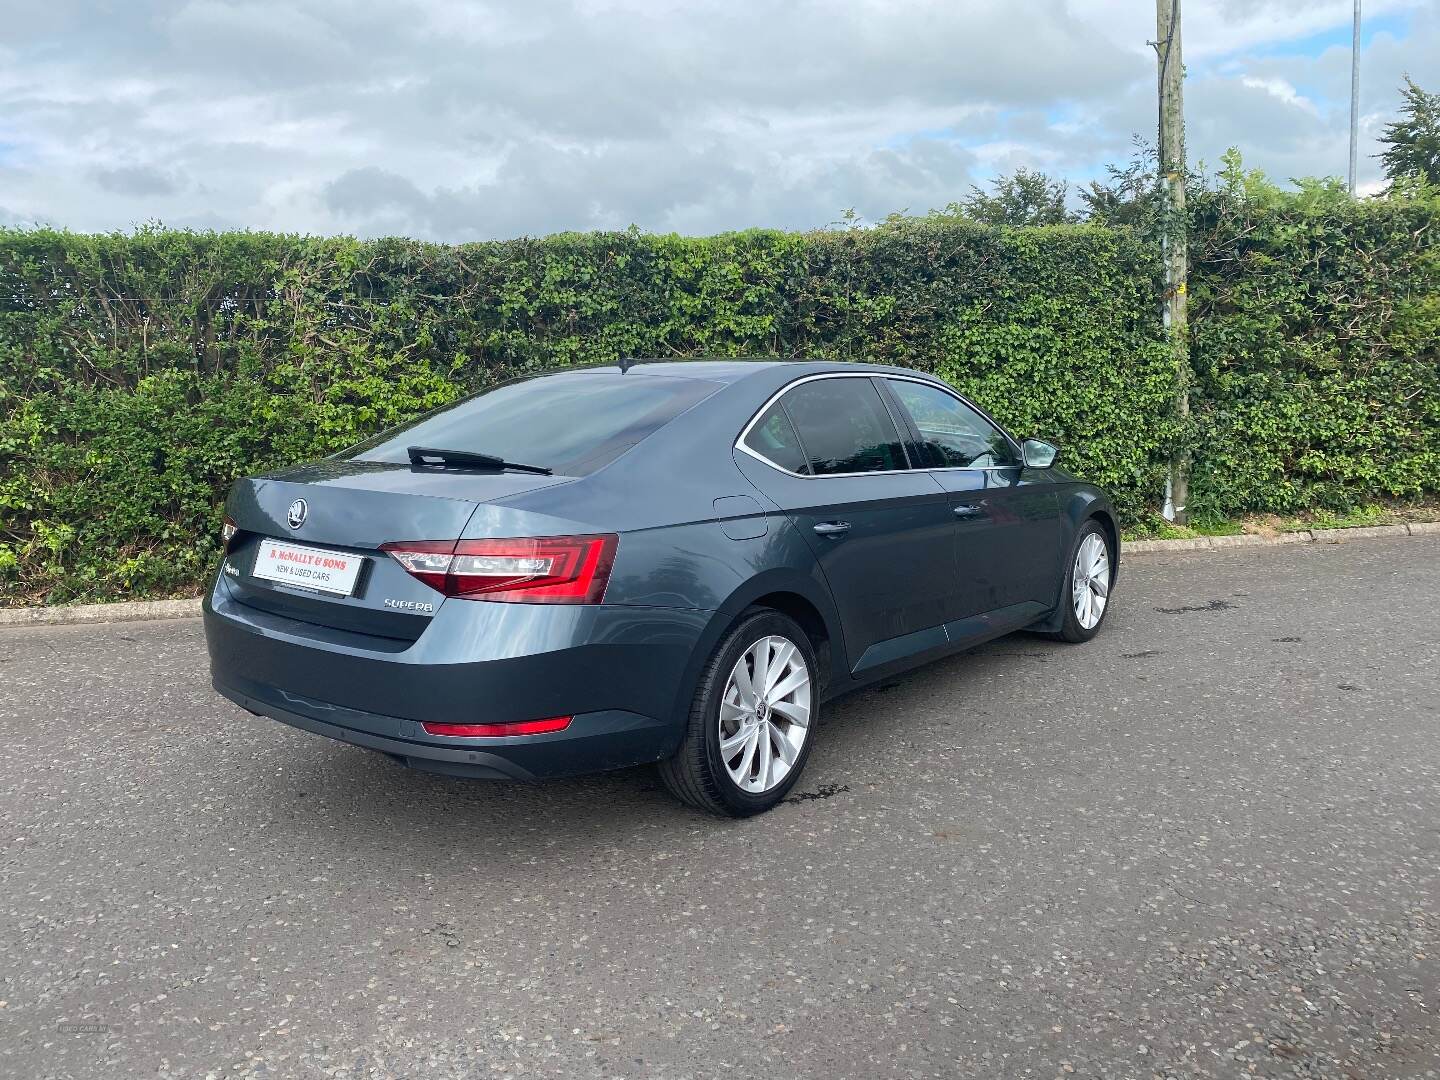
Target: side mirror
1039,454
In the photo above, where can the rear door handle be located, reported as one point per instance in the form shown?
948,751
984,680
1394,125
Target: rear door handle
968,511
833,528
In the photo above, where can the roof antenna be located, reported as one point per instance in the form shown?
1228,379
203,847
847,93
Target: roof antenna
625,362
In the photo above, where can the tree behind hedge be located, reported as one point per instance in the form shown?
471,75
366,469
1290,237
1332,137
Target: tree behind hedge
1412,141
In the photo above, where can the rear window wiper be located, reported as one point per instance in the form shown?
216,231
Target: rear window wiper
425,457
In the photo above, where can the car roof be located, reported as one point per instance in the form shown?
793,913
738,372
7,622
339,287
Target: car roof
730,370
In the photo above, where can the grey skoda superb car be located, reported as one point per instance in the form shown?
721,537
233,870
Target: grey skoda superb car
649,562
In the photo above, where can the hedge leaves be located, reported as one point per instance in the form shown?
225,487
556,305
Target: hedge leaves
141,374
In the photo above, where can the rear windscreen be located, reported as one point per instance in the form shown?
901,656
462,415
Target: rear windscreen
571,423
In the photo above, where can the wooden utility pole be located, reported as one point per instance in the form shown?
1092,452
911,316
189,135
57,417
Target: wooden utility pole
1173,238
1354,95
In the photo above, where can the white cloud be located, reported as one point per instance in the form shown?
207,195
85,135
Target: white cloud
1281,90
1220,28
461,119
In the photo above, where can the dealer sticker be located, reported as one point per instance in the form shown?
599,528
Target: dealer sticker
308,568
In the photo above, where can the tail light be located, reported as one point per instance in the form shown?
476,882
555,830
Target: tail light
537,570
228,529
490,731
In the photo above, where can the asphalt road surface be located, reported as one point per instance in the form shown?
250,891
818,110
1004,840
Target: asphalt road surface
1205,844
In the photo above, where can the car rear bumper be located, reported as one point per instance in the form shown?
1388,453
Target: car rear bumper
594,742
620,672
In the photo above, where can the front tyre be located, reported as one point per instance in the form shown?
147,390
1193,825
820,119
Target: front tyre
1087,584
750,726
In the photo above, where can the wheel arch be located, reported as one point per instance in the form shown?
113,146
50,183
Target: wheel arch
795,595
1081,504
802,598
808,616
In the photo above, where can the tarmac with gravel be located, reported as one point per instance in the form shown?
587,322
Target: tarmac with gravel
1205,844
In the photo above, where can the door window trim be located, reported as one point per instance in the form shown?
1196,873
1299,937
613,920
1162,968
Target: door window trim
903,431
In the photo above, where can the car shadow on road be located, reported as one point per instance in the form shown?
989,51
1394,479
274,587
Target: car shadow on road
330,788
363,809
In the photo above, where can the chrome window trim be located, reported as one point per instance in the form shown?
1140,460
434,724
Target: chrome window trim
773,398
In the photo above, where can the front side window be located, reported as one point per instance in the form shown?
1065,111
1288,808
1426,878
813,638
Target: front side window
844,427
952,434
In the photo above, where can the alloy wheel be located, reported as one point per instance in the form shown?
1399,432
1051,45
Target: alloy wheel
765,714
1090,581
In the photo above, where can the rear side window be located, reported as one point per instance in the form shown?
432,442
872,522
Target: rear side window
573,422
773,438
844,427
952,434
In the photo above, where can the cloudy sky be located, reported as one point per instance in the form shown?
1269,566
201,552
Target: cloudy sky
465,119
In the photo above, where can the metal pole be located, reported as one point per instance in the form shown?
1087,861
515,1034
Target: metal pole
1354,96
1172,174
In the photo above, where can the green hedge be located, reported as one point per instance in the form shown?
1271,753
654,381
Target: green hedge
140,374
1316,348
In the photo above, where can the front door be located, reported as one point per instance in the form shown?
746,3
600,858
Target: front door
1007,517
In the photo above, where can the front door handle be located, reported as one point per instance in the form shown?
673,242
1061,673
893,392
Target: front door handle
833,528
968,511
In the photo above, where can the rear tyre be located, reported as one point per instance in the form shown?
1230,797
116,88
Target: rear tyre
750,727
1088,581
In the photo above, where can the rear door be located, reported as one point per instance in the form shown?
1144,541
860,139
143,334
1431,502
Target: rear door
1006,518
830,453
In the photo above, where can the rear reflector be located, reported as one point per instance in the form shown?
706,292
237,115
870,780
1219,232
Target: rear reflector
537,570
490,731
